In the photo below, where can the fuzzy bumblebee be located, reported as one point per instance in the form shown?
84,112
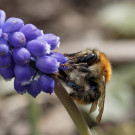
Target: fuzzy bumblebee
87,74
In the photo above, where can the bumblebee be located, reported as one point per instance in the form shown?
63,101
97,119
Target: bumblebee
87,73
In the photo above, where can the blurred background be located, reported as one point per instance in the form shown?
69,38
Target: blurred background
106,25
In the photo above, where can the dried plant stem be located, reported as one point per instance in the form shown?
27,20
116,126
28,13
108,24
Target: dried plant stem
71,108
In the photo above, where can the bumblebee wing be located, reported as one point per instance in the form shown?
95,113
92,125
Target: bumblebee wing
101,101
101,109
93,106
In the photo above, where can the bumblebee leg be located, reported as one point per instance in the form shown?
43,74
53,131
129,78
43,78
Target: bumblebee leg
79,97
62,73
71,55
63,77
93,106
76,95
83,69
85,97
72,85
91,95
79,94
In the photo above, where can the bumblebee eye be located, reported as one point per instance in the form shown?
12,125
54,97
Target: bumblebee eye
90,59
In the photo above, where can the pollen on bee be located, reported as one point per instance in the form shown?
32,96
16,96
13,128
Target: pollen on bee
106,66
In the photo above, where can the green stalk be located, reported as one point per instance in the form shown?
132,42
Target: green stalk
71,108
34,113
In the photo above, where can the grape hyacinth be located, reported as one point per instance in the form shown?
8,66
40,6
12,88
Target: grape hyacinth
26,55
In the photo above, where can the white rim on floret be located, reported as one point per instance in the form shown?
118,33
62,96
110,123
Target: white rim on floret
42,33
0,33
48,48
58,64
58,45
26,82
58,42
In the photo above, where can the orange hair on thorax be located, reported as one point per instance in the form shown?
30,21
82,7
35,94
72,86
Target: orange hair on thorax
105,66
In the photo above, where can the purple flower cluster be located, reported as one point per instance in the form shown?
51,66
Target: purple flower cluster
26,55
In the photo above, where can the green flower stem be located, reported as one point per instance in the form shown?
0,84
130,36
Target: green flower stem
71,108
33,113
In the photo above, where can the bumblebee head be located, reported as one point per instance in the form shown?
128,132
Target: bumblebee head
93,57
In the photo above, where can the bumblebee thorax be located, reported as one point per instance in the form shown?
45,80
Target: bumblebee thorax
105,66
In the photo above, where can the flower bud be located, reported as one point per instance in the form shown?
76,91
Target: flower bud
34,89
23,73
47,64
4,36
20,89
7,73
60,57
30,31
3,41
12,24
17,39
46,84
4,49
2,17
51,39
0,33
38,48
40,32
21,55
5,61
